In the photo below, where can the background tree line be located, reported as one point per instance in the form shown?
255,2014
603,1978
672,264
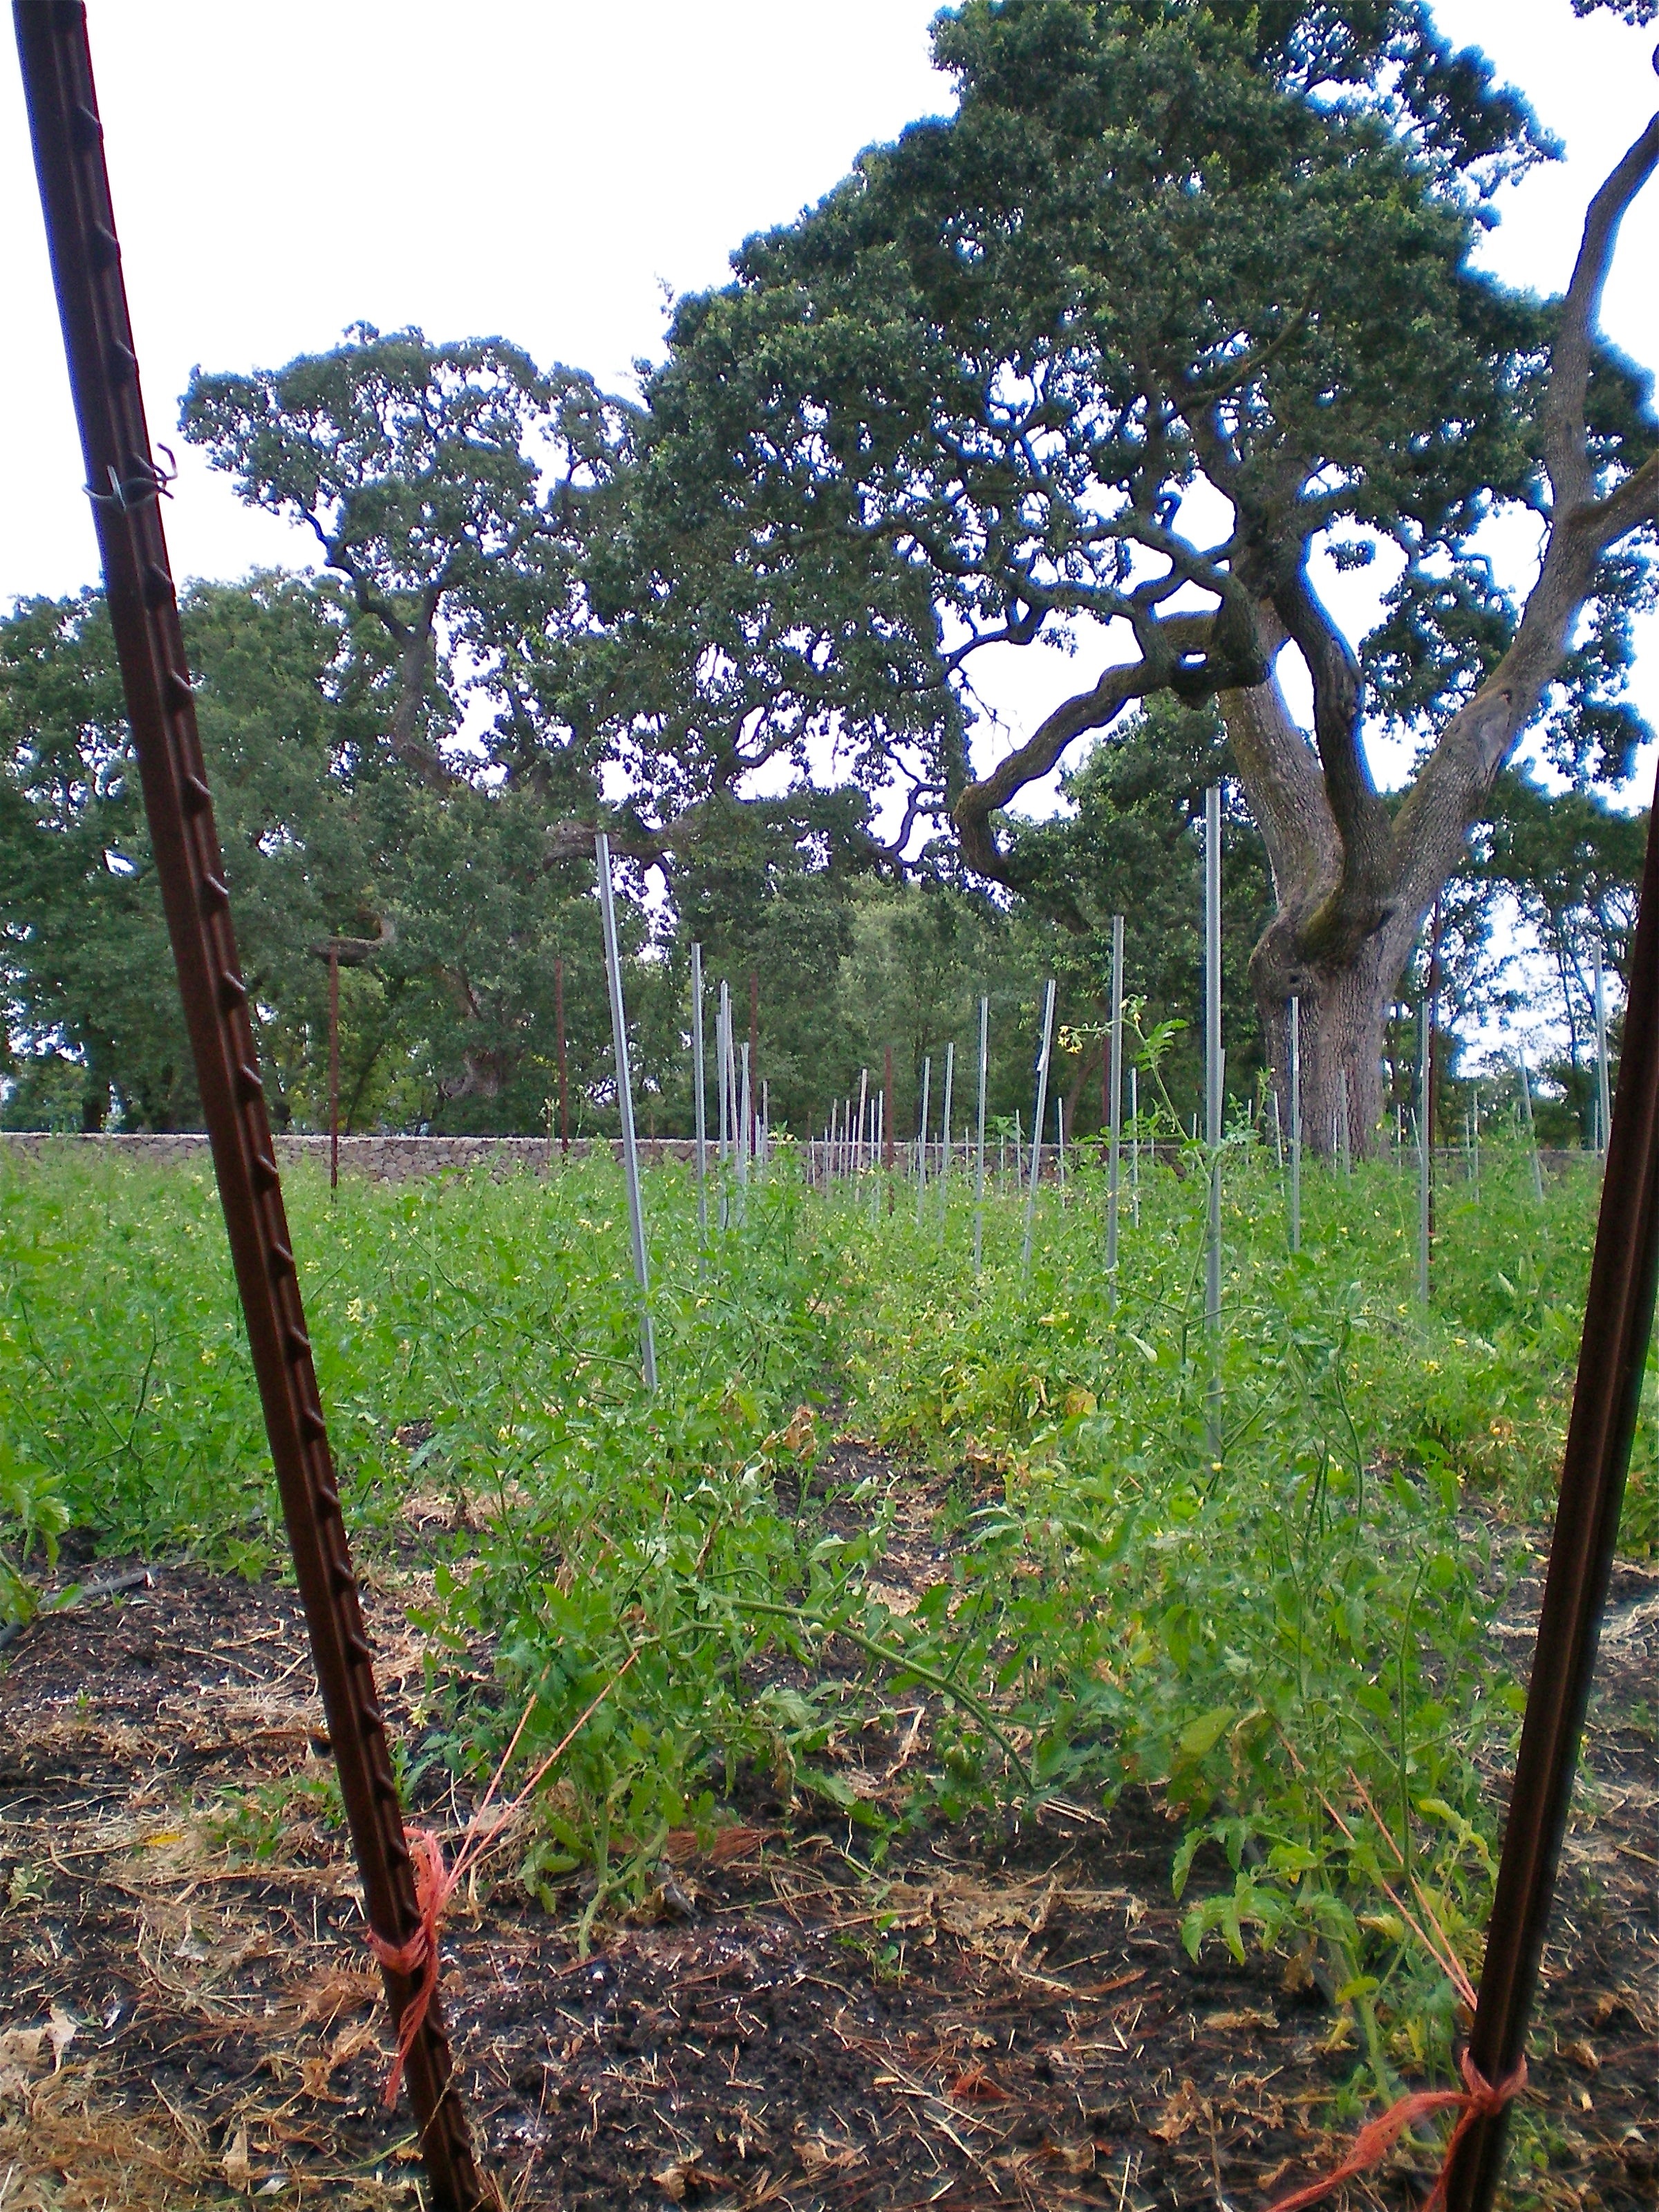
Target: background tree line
450,1026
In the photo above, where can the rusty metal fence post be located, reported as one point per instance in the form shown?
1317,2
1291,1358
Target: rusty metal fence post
1606,1401
124,485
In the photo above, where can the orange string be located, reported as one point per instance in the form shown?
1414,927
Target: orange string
1479,2099
436,1882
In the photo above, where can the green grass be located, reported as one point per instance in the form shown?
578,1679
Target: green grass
1268,1605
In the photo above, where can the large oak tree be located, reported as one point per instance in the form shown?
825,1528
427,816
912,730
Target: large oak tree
1178,309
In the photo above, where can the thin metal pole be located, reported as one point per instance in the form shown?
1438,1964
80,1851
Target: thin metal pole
751,1096
1114,1105
921,1141
723,1086
745,1107
1532,1130
700,1104
1213,1077
625,1103
1038,1121
1345,1137
861,1150
945,1138
1134,1145
69,152
1425,1155
333,1070
1436,1056
1606,1404
887,1108
979,1141
564,1069
1295,1123
1603,1085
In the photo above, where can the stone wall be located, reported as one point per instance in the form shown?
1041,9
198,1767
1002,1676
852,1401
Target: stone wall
396,1159
382,1159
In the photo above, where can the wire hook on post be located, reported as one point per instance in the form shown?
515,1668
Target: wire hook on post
148,481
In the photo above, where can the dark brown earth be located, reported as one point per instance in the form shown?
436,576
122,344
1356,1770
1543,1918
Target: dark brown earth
1008,2023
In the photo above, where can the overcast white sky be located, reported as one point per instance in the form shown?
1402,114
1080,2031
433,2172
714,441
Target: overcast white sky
546,170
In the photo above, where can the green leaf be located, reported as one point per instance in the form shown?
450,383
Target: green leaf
1200,1737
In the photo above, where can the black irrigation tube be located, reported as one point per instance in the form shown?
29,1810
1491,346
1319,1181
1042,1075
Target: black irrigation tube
135,1578
126,484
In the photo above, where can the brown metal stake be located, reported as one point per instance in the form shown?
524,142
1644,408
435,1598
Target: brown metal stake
125,483
1607,1402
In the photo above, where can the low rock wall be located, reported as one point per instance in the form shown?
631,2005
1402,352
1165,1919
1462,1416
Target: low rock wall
398,1160
382,1159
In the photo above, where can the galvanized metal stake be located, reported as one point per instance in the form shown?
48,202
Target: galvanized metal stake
744,1120
1603,1085
1532,1131
1425,1156
723,1086
1213,1071
625,1102
333,1070
699,1101
887,1123
564,1073
1038,1121
945,1138
125,482
1296,1124
1343,1132
921,1141
1114,1105
979,1143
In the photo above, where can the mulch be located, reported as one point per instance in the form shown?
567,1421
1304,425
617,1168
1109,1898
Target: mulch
188,2013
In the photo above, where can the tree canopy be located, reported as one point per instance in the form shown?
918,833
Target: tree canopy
1134,364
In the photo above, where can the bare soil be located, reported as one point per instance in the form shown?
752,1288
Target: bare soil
188,2013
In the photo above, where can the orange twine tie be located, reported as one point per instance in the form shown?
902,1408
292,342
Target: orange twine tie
434,1883
1479,2099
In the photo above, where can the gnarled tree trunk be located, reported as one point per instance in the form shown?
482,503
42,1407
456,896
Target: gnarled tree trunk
1353,882
1342,966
